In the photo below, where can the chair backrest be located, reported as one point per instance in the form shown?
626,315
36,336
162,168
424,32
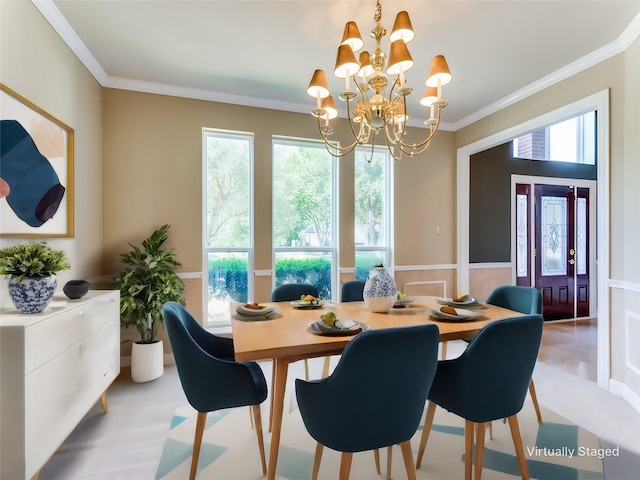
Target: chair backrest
292,291
211,380
491,377
521,299
352,291
376,394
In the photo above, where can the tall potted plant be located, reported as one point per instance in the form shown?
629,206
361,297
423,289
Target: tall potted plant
32,267
146,283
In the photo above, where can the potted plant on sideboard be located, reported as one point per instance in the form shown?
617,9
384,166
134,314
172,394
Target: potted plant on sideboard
32,267
146,283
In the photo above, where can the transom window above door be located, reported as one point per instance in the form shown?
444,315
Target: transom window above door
571,140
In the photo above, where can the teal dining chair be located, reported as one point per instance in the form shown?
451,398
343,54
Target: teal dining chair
375,396
352,291
487,382
210,377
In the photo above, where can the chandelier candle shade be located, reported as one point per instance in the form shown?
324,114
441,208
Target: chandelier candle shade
372,109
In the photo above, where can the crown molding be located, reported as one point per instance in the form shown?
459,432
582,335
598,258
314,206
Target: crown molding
51,13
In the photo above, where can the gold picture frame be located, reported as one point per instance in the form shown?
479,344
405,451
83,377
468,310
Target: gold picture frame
36,171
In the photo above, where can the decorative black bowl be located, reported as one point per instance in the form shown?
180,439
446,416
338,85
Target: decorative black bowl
76,288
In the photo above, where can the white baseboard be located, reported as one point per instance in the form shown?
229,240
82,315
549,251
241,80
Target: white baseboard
621,390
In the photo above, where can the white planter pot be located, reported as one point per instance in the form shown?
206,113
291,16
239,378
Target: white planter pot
147,361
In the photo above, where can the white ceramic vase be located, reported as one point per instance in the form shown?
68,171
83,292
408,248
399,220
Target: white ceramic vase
147,361
380,290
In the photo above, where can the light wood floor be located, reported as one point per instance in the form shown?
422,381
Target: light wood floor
571,346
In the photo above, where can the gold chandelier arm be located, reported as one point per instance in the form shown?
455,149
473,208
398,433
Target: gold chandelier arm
335,150
391,146
418,148
364,149
353,132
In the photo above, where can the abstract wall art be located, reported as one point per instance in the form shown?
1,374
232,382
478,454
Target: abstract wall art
36,170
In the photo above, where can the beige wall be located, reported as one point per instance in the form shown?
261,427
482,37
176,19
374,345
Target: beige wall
39,66
153,168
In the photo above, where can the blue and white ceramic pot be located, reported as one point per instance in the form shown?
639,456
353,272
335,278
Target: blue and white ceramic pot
33,294
379,290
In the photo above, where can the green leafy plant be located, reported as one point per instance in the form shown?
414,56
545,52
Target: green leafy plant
34,259
146,284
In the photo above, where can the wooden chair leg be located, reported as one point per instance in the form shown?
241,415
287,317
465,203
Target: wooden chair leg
273,387
326,367
517,443
197,442
468,448
306,369
376,458
534,399
479,450
408,460
426,429
490,427
345,465
443,351
257,415
389,459
317,458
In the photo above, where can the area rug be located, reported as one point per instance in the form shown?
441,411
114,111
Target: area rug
555,450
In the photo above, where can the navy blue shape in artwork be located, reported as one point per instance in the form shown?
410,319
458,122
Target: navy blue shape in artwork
36,191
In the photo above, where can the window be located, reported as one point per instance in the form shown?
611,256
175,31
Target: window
572,140
304,214
372,197
228,236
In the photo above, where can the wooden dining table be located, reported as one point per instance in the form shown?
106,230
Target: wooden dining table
287,337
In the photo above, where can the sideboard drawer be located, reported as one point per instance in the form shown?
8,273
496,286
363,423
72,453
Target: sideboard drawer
46,339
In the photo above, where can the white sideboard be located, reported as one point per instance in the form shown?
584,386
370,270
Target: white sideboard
54,367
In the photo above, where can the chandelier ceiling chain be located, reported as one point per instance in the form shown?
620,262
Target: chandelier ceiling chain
370,110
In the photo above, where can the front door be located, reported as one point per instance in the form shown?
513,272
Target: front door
562,250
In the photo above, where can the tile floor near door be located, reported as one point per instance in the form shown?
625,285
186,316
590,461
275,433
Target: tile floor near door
126,443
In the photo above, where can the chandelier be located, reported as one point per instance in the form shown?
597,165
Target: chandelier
371,110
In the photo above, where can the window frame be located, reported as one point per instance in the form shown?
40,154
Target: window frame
389,196
335,208
206,249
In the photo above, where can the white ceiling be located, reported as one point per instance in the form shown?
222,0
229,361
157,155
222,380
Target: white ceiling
262,53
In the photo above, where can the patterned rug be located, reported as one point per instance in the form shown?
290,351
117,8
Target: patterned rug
555,450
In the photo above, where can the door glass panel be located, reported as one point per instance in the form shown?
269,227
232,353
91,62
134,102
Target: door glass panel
581,234
522,219
554,236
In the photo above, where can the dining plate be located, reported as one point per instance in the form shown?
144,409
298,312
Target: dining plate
303,304
469,302
320,328
403,303
261,311
462,315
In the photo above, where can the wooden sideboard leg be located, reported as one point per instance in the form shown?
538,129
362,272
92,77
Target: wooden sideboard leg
103,402
35,476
